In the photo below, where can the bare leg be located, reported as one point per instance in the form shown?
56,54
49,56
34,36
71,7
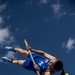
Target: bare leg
21,51
18,62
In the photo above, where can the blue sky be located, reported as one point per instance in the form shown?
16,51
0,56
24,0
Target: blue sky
48,25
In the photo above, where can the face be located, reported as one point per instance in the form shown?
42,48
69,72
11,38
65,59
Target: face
51,64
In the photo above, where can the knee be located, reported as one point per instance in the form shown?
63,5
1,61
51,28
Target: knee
25,52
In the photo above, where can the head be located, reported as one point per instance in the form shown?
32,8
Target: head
57,65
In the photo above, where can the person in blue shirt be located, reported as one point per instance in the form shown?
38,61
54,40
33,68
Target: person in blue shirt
46,64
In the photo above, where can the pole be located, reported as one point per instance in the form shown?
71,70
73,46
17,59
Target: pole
31,56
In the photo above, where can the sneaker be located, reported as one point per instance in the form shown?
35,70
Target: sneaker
9,48
5,59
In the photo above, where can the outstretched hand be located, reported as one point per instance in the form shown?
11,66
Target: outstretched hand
36,67
28,48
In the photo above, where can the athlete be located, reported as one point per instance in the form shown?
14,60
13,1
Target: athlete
46,64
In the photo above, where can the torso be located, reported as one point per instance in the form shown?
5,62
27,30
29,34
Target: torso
42,63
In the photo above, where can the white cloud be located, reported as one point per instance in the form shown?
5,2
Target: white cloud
61,14
10,55
72,14
6,37
56,8
3,7
69,45
44,1
4,34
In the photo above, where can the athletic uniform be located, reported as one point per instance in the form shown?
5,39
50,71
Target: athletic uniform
40,61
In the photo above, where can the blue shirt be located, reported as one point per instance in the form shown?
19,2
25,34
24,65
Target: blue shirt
42,62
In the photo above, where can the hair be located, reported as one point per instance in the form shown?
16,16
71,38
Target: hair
59,66
63,72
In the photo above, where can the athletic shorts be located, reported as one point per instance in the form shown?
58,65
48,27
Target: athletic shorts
28,63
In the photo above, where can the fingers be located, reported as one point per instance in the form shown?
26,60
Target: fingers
36,67
28,48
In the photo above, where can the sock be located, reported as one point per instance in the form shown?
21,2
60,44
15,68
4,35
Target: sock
10,61
14,50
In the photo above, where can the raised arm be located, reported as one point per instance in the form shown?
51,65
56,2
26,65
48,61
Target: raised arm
43,54
40,52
